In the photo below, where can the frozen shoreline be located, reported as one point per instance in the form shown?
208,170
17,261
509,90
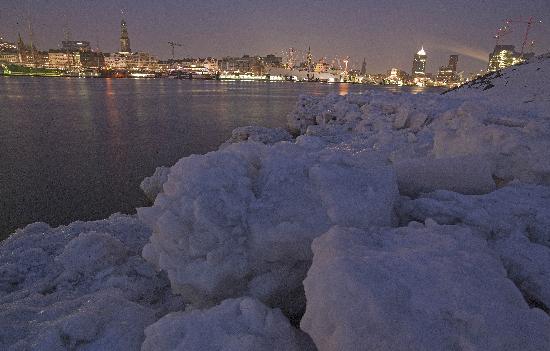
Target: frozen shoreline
400,214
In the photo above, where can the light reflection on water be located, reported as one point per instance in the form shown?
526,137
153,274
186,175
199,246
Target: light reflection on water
78,148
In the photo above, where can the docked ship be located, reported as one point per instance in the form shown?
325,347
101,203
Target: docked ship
9,69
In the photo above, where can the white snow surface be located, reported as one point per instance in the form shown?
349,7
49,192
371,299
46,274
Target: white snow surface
82,286
420,287
243,324
523,86
515,220
240,221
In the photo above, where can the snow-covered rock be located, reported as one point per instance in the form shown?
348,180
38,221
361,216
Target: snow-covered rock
243,324
240,221
415,288
84,286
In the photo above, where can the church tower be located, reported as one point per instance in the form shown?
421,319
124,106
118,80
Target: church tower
124,39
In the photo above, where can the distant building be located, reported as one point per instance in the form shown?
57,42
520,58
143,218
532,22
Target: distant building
89,59
363,67
321,66
10,57
273,61
309,60
135,61
8,52
246,64
447,74
124,39
396,76
63,59
453,62
6,46
75,45
419,64
504,56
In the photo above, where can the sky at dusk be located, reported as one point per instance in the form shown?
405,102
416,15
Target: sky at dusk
386,33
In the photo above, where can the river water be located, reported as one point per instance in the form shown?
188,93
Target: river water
78,148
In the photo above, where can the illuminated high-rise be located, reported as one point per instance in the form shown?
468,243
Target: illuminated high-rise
453,63
124,39
506,55
419,64
364,67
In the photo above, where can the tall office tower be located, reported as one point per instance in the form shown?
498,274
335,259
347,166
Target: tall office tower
419,64
364,67
309,60
453,62
124,39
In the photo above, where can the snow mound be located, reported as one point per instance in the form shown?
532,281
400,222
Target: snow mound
404,127
84,286
243,324
152,185
415,288
240,221
516,222
523,86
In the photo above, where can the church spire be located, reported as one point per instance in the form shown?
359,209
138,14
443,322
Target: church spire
124,39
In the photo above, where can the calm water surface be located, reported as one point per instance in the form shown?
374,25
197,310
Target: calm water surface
78,148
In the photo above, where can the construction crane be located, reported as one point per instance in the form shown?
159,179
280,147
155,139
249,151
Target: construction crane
507,28
173,45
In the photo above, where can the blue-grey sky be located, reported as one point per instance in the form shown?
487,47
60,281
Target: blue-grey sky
387,33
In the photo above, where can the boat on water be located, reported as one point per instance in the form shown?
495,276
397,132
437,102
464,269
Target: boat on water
142,75
9,69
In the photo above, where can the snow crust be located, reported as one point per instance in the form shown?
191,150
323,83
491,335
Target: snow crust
243,324
420,287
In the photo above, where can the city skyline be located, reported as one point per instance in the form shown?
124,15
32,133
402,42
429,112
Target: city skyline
355,29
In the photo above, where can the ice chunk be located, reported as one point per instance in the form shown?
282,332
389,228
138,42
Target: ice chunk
84,286
240,221
516,222
243,324
415,288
